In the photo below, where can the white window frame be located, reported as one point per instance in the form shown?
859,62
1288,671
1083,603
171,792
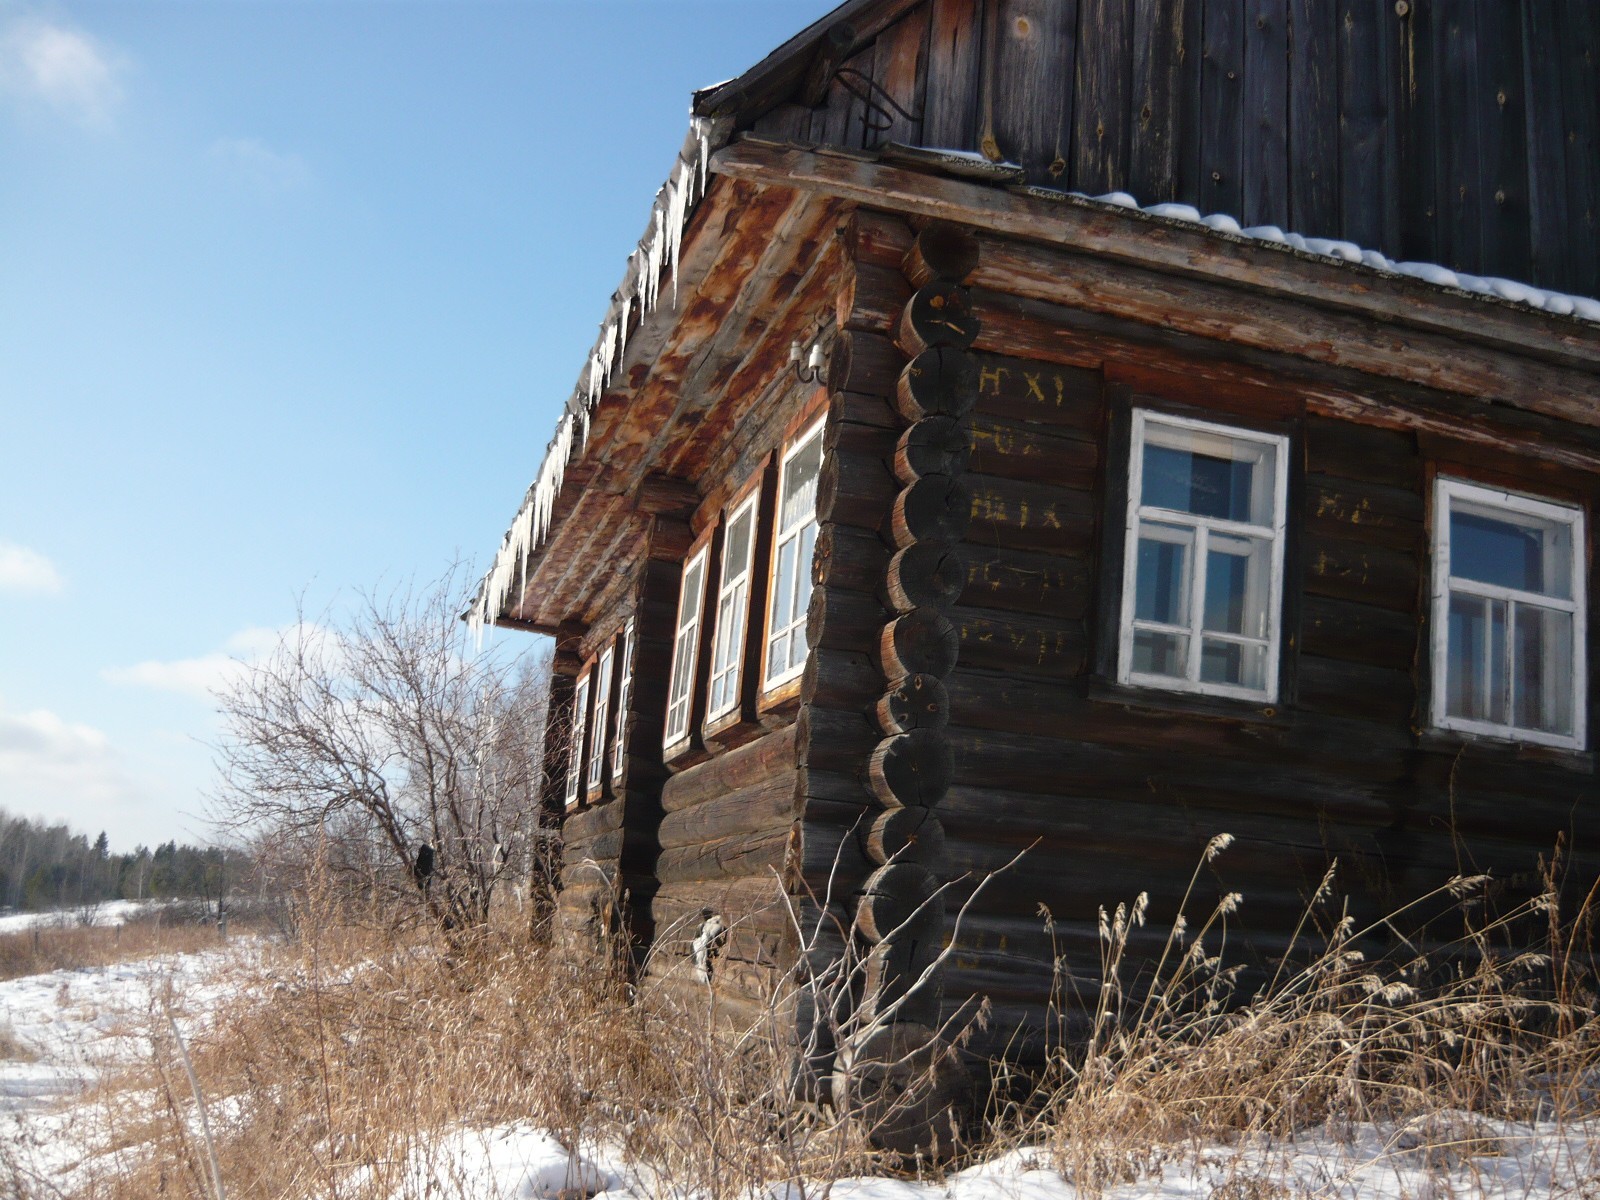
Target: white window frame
1196,432
802,580
624,695
1448,490
580,716
732,619
685,650
602,707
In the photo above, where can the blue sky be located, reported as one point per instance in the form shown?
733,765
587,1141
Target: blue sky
290,296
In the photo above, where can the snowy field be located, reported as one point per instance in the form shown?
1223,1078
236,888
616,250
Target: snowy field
65,1032
107,915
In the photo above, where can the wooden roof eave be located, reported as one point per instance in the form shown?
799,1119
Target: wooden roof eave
726,251
1399,319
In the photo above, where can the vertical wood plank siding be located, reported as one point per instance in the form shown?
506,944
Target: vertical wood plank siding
1460,132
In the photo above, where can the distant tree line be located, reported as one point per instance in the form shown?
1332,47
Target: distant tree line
50,866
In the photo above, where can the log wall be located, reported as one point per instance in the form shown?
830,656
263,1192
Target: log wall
1004,658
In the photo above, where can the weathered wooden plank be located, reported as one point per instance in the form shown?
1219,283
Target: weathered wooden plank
744,854
1313,118
899,63
1345,569
1030,67
1102,100
1026,646
1222,108
1356,632
768,806
747,766
1030,516
1418,125
1347,689
1503,133
1155,100
1388,516
1022,451
1459,155
1580,117
1368,148
950,107
1017,581
1547,166
1265,166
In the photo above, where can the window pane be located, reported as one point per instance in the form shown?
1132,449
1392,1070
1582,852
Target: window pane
1159,653
800,484
689,601
1543,684
736,551
1529,556
777,654
783,587
1203,484
1235,585
1161,588
1476,666
1233,664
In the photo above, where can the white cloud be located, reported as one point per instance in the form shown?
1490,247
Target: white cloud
25,570
208,674
49,764
253,163
60,68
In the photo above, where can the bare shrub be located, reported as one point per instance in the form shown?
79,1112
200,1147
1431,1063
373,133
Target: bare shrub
389,754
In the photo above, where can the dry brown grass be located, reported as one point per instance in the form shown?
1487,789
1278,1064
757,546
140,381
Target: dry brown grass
347,1054
69,945
1497,1021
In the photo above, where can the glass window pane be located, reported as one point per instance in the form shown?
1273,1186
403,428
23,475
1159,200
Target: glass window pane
1499,550
1236,585
1476,666
1233,663
1544,664
736,550
1160,653
800,483
777,655
1203,484
783,588
1161,587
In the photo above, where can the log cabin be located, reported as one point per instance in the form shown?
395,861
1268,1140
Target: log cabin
1035,437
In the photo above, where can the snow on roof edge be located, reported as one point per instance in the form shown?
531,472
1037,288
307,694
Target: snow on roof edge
1559,304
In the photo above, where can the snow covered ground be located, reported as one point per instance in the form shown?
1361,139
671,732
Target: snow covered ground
110,913
62,1032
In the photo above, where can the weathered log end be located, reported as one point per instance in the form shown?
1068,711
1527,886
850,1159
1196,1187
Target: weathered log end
911,769
922,641
916,702
925,574
933,446
943,252
938,314
938,382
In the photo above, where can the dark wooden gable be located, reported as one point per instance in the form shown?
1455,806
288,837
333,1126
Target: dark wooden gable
1460,132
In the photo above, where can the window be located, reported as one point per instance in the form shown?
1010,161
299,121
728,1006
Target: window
624,688
580,711
1508,615
733,604
602,705
686,648
794,538
1202,585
